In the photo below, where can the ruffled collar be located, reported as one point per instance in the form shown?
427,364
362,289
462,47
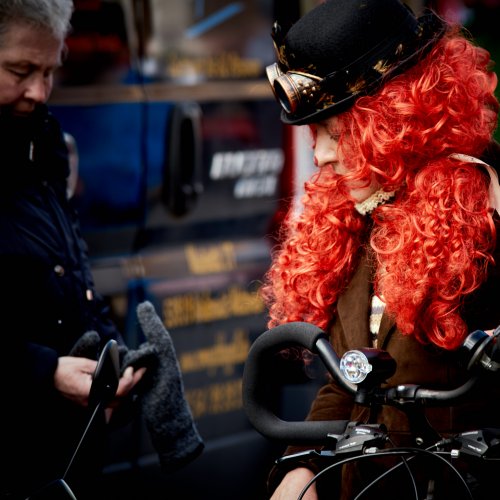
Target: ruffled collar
373,201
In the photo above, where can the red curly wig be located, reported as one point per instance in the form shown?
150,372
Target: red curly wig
433,242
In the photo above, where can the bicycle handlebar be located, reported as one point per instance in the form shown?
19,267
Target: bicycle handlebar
480,349
258,374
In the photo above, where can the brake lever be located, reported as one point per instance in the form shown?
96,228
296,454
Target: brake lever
483,443
358,437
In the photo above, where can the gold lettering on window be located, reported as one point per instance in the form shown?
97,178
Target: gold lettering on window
212,259
222,354
215,398
189,309
225,65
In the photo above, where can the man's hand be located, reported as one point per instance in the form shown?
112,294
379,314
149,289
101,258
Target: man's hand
73,378
127,382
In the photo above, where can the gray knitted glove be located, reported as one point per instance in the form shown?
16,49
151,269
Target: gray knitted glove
166,412
163,405
87,346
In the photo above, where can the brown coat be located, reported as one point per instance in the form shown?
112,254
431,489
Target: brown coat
416,364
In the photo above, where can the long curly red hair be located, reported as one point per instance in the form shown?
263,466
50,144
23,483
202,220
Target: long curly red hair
433,242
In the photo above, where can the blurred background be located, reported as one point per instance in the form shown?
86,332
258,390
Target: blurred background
182,174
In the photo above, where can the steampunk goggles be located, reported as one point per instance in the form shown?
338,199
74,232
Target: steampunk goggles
297,90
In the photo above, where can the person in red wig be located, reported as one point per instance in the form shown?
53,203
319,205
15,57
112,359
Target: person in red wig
395,245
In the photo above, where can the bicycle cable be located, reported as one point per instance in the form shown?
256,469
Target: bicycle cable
396,451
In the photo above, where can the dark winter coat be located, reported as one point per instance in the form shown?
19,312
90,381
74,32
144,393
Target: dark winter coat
47,300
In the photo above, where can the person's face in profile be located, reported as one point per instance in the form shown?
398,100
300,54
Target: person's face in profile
325,145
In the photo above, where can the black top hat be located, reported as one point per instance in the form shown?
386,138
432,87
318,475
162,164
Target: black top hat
344,49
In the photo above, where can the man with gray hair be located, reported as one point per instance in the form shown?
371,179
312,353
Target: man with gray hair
48,300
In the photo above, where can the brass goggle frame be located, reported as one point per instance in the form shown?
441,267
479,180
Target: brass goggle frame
294,89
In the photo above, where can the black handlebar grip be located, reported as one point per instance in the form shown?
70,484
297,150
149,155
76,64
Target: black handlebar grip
258,397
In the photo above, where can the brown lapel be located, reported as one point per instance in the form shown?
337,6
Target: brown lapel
353,307
353,310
